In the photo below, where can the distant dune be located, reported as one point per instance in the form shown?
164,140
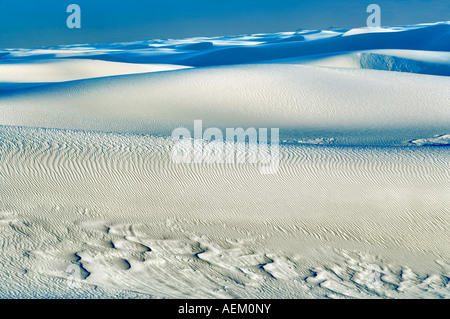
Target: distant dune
289,97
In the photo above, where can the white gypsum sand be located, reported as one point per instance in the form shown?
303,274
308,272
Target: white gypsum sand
335,221
93,206
276,95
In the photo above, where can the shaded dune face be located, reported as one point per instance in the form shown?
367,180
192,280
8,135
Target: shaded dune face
93,205
258,48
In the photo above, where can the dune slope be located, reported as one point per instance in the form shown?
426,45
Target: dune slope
290,97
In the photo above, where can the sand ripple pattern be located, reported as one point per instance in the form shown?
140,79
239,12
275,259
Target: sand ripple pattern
355,221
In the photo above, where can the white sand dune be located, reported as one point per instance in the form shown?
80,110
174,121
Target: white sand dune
354,222
228,50
93,206
289,97
35,73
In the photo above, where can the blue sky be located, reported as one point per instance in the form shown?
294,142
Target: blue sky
31,23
